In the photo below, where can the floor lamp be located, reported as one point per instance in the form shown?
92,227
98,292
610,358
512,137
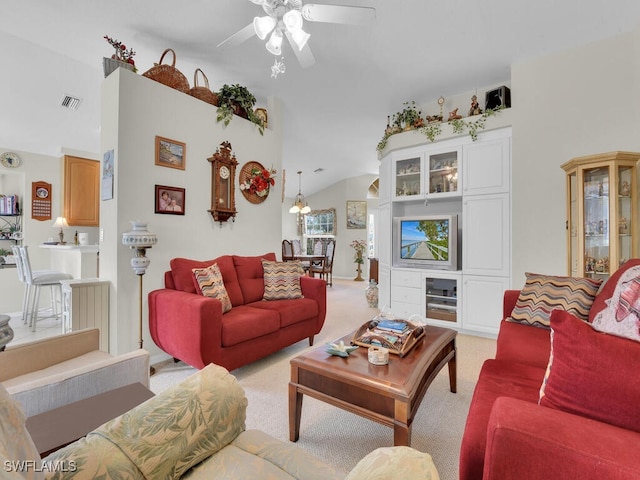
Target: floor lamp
139,239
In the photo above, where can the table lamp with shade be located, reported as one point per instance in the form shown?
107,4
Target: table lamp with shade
61,222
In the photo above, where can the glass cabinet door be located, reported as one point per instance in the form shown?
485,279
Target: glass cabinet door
572,226
408,179
625,177
443,172
596,221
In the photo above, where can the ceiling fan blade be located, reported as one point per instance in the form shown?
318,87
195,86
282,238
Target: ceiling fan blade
305,56
338,14
237,38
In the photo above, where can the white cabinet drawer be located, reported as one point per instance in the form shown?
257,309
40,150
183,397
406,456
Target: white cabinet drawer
405,310
404,278
405,294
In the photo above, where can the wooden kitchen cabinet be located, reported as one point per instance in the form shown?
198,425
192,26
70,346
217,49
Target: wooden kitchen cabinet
81,191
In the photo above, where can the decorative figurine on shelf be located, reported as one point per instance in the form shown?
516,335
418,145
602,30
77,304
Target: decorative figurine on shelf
602,265
453,115
589,264
475,107
625,189
623,228
441,103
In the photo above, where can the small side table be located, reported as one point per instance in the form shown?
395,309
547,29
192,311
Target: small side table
61,426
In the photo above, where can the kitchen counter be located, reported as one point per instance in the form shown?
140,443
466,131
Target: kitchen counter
81,261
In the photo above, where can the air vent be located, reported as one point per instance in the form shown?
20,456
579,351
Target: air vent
318,170
70,102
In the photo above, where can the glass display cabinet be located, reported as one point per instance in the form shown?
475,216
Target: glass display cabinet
602,230
431,173
443,172
408,177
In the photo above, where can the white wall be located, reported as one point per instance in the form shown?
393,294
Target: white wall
135,110
580,102
336,196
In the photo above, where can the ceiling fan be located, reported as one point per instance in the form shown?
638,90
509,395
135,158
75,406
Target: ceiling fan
285,18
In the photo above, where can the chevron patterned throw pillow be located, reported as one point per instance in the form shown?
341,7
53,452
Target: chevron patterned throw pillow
543,293
282,280
211,283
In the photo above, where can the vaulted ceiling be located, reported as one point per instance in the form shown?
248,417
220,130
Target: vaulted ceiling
335,111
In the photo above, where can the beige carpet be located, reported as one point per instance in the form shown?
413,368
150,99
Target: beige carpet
335,436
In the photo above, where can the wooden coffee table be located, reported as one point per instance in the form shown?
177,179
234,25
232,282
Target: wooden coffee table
388,394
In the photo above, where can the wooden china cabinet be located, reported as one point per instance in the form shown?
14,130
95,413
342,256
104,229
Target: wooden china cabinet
602,213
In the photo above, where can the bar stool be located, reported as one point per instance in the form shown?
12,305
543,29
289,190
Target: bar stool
36,279
27,288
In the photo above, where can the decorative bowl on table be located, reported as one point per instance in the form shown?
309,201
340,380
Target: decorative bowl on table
340,349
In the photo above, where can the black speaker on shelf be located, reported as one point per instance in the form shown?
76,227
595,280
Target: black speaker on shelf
500,97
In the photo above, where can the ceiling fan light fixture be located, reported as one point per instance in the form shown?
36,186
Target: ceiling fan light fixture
263,25
259,2
292,20
300,38
275,42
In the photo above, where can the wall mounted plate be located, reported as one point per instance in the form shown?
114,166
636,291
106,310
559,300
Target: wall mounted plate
9,160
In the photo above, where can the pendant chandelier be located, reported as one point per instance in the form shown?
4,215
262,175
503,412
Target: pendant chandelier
300,204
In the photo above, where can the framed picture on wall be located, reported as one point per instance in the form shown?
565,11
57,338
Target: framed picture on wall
170,153
170,200
356,214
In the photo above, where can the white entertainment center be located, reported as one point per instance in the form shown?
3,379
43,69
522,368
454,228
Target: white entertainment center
471,179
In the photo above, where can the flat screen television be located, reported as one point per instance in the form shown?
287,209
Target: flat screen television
428,241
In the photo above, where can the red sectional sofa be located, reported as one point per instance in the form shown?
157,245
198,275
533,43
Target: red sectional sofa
192,328
508,435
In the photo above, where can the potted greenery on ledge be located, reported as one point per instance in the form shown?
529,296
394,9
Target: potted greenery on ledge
237,100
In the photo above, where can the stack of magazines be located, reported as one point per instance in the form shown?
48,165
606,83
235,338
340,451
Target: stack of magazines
396,335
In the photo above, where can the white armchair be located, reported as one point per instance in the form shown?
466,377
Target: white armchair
55,371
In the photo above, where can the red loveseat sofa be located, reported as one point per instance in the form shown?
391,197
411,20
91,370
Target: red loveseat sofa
191,327
509,435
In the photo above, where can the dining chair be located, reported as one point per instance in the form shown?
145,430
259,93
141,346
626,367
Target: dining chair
287,251
297,247
325,269
318,248
34,280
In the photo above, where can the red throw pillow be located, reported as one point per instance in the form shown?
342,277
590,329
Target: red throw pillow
592,374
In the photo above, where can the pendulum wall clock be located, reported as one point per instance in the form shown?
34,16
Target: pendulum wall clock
223,174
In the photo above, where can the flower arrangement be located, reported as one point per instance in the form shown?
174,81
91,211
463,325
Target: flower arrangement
359,246
121,52
259,182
